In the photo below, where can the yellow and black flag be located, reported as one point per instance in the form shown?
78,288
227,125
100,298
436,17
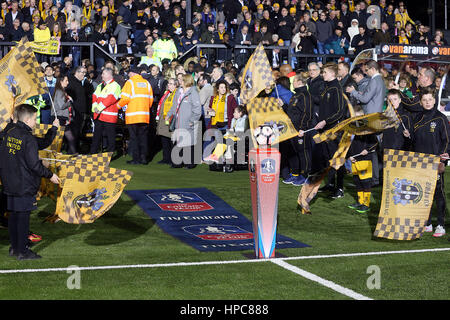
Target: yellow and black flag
361,125
257,75
88,192
266,110
41,130
409,181
21,77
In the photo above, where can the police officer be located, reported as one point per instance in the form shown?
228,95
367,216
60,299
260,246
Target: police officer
431,135
20,172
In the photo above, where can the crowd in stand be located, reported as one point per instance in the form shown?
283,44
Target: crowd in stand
128,27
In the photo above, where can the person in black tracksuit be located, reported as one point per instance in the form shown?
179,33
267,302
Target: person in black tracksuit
332,110
20,173
360,155
300,111
394,138
431,135
43,143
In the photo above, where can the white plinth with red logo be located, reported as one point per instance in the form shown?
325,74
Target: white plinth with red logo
264,167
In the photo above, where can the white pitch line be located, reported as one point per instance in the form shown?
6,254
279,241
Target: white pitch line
329,284
200,263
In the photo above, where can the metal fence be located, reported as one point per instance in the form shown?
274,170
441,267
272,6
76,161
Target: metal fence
91,51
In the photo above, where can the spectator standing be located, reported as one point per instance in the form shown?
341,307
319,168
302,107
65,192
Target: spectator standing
50,81
206,93
62,103
382,35
361,41
285,25
80,89
324,30
162,130
187,111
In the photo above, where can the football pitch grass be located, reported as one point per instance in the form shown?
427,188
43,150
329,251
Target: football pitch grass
125,255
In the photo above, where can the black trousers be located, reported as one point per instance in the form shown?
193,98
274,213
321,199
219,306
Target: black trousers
3,219
167,146
303,152
19,226
75,127
289,162
138,147
102,128
439,199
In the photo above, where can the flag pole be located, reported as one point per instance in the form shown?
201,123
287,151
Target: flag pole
53,105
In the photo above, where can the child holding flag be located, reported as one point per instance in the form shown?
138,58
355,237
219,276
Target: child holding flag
360,150
20,172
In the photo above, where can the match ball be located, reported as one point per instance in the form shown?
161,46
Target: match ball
266,134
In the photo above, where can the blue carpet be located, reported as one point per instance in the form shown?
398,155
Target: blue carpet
201,219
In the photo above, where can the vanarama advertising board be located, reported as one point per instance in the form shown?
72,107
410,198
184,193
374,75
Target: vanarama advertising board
414,49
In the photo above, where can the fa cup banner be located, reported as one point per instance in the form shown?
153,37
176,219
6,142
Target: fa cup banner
408,189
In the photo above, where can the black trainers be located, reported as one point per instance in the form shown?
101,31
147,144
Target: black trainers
355,206
29,255
338,193
326,188
363,209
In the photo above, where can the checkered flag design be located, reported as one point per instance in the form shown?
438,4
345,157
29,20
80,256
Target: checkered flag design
79,207
409,159
41,130
339,156
257,75
267,110
24,79
85,173
98,159
24,56
399,228
262,105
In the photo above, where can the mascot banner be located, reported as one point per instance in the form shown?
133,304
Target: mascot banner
408,189
89,191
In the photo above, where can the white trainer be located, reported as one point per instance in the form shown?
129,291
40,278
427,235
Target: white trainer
439,232
429,228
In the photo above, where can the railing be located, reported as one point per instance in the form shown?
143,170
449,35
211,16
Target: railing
94,49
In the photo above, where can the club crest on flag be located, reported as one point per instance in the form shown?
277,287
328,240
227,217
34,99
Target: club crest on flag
218,232
93,200
11,83
179,201
406,192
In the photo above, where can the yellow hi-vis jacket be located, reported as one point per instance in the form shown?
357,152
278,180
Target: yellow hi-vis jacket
137,95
